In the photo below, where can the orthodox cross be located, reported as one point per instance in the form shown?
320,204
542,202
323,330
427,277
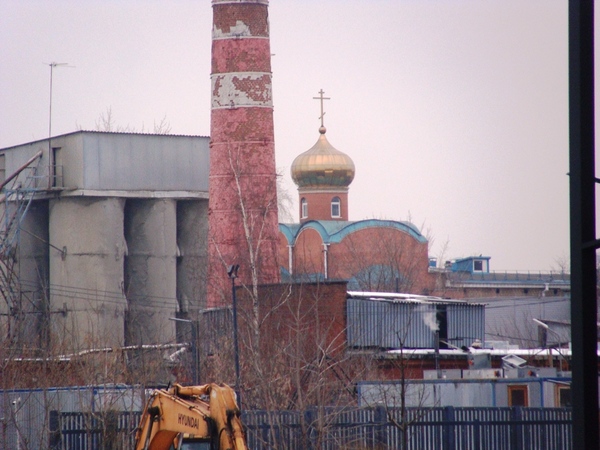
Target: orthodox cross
321,92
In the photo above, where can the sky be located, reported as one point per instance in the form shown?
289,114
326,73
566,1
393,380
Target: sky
455,112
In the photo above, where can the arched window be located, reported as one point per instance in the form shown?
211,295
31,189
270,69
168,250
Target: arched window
336,207
304,208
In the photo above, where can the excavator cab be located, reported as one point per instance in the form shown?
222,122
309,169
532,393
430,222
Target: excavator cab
197,444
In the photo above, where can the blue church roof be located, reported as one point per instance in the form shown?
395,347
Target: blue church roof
334,231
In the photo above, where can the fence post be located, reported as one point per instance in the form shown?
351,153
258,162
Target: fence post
449,419
267,430
380,419
516,419
54,425
109,431
477,434
308,429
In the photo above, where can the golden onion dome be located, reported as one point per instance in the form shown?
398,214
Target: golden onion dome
323,166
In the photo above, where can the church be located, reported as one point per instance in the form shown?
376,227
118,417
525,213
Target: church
375,255
372,255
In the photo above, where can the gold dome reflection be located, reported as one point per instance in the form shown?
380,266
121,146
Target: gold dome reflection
322,166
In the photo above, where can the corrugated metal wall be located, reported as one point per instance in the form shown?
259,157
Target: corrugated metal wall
465,323
132,162
397,324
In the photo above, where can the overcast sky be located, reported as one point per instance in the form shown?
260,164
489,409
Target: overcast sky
455,112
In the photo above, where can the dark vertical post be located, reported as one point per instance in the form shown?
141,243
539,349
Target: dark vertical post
232,272
437,355
449,420
583,224
195,352
55,432
516,427
308,429
380,418
476,434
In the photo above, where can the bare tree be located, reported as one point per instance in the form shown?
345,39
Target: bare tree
284,199
106,122
561,264
384,260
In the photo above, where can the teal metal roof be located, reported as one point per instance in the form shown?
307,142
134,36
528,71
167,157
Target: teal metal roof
334,231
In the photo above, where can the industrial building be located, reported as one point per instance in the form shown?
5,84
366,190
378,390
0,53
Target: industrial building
103,238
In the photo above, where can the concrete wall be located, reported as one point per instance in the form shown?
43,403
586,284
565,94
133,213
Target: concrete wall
24,273
150,270
192,238
87,279
33,273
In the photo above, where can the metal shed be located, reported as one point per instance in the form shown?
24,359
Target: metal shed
388,321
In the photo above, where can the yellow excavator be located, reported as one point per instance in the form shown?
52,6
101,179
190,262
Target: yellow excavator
191,418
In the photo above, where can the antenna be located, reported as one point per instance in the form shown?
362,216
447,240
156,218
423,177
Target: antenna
50,159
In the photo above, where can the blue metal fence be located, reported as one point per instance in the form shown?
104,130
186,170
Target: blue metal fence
93,431
445,428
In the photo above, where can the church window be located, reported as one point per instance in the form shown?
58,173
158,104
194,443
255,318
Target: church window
335,207
304,208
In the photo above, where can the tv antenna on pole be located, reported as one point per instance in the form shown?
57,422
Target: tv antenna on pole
50,159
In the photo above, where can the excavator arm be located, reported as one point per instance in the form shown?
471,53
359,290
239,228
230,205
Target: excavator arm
207,412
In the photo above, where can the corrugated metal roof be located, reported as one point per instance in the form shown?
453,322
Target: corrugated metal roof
102,132
408,298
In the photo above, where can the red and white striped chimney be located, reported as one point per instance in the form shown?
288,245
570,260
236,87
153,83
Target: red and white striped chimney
243,224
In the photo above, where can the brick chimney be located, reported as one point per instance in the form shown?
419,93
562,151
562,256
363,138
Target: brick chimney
243,223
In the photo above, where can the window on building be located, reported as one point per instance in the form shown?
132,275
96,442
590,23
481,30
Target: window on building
563,396
518,395
304,208
57,167
477,265
336,207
